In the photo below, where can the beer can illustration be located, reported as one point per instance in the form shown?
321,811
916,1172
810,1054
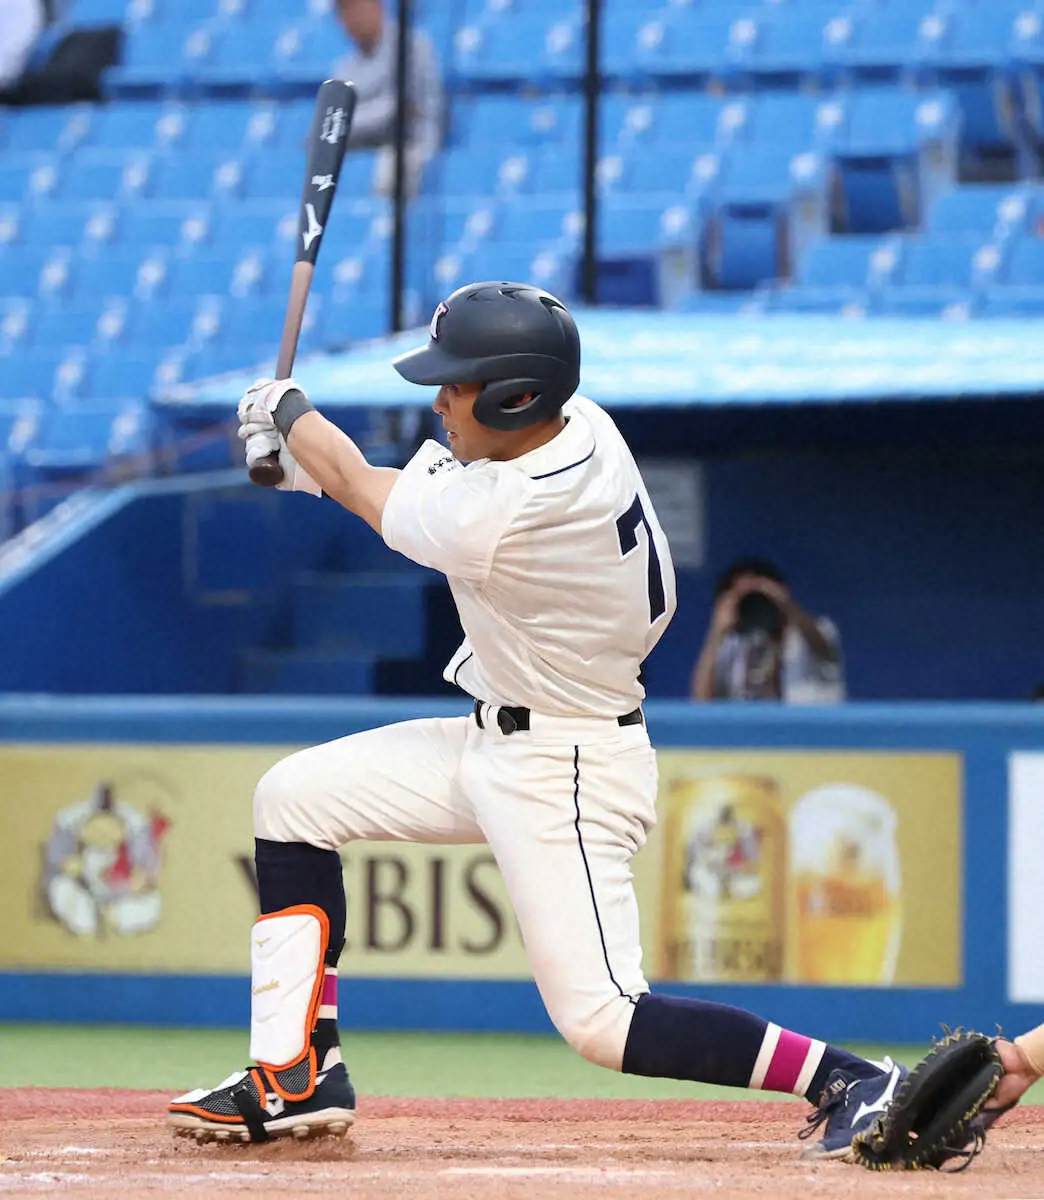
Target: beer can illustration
724,885
846,900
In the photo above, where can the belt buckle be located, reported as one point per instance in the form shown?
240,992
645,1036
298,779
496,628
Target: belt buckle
506,721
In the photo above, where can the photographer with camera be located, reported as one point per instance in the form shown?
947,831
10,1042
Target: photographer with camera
762,645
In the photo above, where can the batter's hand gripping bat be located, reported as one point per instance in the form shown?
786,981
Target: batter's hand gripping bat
326,144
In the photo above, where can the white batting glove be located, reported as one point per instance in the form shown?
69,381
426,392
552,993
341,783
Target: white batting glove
261,400
261,442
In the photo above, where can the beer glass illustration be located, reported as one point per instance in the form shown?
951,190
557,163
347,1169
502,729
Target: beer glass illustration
846,904
724,882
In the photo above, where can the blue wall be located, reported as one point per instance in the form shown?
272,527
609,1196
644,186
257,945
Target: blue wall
929,563
984,735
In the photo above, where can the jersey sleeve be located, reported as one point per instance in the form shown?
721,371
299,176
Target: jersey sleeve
449,517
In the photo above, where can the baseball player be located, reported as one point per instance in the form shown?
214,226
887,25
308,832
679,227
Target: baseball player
563,580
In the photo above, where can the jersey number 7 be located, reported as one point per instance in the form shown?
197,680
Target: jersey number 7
627,531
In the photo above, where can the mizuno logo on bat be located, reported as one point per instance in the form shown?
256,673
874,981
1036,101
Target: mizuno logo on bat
334,125
314,229
322,182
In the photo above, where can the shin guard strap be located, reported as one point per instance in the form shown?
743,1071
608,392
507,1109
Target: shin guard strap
250,1110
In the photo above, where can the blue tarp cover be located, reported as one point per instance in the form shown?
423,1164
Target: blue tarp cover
639,358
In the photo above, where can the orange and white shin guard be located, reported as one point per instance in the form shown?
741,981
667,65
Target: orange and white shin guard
287,968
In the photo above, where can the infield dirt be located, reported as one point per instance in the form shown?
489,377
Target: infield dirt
114,1144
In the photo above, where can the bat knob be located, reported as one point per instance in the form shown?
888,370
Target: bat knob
267,472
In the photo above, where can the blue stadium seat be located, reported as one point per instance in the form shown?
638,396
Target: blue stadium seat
887,42
1025,267
246,51
160,327
240,275
229,127
84,439
293,121
256,223
307,56
69,224
104,175
101,12
787,49
940,274
649,170
524,45
130,273
1013,302
460,171
629,224
35,270
192,177
16,325
152,224
745,245
38,130
847,263
42,375
158,56
554,172
115,377
27,177
263,179
62,327
537,221
992,209
974,64
482,121
767,174
138,125
796,119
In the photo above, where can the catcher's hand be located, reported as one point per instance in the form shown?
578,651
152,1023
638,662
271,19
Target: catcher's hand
933,1120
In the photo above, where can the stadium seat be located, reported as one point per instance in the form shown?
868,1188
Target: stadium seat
848,263
885,43
795,119
35,270
483,121
256,223
104,175
974,65
28,177
84,440
129,273
71,326
65,224
159,58
522,45
190,177
152,225
788,49
160,327
138,125
995,210
116,377
937,274
1025,266
46,130
745,245
239,273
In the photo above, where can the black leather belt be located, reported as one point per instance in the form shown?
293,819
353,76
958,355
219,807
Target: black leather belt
515,720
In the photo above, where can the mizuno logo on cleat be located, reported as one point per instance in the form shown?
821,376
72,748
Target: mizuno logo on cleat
881,1103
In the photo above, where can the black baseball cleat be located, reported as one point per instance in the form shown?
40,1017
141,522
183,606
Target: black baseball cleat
246,1107
848,1106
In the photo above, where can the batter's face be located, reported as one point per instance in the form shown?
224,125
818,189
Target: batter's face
468,439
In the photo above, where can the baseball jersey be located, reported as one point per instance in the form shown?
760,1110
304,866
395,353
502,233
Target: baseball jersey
559,568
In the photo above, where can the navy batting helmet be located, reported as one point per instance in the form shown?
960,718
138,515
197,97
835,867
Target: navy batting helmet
514,339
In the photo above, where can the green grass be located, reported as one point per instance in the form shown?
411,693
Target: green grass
388,1064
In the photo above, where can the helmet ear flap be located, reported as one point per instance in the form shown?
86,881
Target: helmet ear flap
490,404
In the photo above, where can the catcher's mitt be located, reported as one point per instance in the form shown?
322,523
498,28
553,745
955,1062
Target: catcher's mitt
933,1120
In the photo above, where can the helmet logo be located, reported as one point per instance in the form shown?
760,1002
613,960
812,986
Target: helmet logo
437,316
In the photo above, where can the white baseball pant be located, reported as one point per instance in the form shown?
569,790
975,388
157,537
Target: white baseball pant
563,807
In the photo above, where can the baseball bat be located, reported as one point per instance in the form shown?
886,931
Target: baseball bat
327,140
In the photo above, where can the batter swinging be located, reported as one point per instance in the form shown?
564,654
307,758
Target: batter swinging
563,580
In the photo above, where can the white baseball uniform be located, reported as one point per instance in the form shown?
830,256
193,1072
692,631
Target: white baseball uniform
564,583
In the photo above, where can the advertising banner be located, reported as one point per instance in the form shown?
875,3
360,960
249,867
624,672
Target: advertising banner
793,865
1026,878
809,867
